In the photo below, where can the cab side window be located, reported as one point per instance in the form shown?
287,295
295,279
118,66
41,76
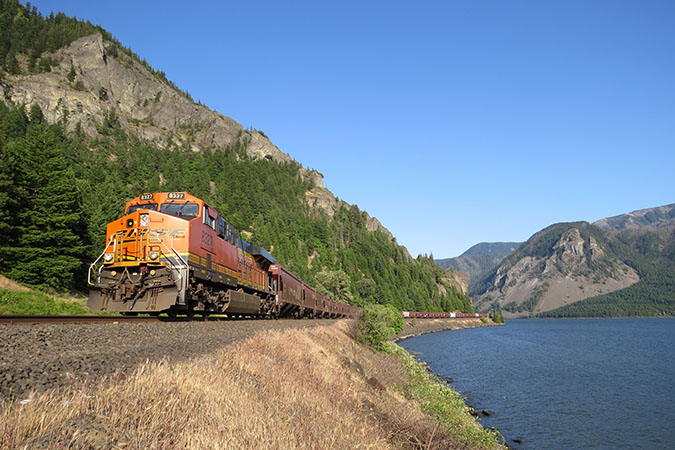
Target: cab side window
208,220
222,226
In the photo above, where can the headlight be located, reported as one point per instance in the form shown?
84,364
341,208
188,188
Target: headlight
153,255
108,257
145,219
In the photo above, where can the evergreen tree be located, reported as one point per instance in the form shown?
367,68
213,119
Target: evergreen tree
49,250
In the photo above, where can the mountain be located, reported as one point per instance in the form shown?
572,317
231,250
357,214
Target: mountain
479,259
85,124
620,266
659,217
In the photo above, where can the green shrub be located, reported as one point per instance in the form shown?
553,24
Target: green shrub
378,324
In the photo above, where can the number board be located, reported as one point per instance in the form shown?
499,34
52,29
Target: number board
176,195
146,196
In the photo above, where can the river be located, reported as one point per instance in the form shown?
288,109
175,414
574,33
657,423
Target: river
564,383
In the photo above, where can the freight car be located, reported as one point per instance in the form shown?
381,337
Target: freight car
173,253
440,315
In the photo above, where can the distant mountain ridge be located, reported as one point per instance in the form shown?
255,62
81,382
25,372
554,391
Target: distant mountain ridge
623,265
479,259
643,218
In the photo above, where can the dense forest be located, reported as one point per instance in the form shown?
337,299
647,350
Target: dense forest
59,189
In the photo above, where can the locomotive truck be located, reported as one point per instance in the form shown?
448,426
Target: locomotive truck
171,252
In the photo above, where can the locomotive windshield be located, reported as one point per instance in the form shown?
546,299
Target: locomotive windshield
132,208
187,209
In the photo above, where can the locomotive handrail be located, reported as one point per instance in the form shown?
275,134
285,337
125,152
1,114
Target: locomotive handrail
176,267
97,260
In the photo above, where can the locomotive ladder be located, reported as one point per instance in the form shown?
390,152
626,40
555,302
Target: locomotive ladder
178,266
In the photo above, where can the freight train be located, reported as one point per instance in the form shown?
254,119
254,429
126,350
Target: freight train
173,253
440,315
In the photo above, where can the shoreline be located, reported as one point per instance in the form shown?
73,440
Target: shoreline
415,327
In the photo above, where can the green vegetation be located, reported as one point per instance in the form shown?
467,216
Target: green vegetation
497,316
652,255
442,402
378,324
25,31
58,192
37,303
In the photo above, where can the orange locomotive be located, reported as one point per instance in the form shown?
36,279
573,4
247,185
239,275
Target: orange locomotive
173,253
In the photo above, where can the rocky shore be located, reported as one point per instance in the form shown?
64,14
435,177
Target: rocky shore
415,327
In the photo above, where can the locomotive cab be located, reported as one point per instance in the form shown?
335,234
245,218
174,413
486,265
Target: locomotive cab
144,267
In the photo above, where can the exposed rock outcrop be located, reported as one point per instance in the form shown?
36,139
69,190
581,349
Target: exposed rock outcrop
457,279
573,268
144,105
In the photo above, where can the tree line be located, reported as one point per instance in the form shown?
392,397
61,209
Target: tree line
58,191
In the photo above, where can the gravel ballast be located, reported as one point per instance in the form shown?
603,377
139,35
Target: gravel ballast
41,357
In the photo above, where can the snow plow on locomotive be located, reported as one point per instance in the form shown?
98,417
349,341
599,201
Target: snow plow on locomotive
173,253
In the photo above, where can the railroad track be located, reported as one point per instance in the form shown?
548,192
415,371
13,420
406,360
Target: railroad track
32,320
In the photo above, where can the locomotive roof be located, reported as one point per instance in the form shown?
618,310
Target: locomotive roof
257,250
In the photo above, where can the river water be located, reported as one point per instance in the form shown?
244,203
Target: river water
565,383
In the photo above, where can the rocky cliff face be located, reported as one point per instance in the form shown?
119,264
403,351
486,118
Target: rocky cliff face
457,279
554,268
96,79
145,106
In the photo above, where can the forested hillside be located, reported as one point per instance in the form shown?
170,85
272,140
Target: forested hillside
60,186
652,253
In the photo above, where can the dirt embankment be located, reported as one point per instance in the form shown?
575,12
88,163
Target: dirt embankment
282,389
415,327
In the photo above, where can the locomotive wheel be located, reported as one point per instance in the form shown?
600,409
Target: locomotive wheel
190,310
171,313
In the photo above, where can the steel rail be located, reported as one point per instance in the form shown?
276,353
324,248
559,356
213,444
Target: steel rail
89,319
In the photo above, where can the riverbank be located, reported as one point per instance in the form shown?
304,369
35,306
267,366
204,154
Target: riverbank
415,327
291,389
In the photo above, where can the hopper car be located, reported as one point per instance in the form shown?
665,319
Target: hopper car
440,315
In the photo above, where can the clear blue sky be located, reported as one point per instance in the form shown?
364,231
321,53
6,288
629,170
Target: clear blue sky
453,122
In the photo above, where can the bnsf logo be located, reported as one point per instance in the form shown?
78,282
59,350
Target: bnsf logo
176,232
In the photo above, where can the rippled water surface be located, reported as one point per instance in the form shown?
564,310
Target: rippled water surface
565,384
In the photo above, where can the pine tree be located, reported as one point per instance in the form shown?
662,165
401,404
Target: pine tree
49,249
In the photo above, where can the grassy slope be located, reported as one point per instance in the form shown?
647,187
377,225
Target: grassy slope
332,393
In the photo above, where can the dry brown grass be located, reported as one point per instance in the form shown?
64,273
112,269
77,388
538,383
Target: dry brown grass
6,283
293,389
